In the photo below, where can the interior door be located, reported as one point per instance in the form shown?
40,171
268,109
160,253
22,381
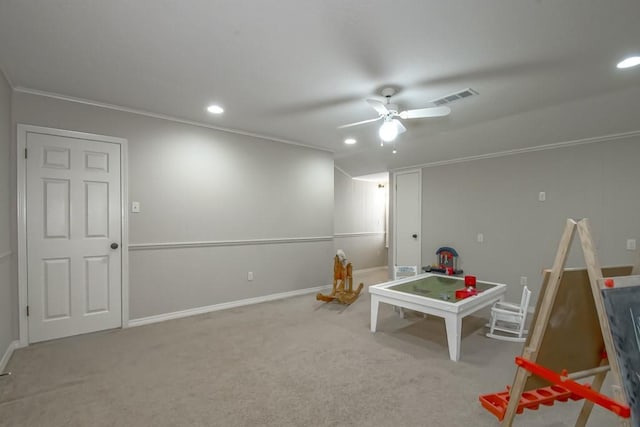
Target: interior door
408,218
74,229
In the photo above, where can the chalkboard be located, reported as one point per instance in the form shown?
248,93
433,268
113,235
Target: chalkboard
622,306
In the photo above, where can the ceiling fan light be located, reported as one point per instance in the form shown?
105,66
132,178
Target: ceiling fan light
388,131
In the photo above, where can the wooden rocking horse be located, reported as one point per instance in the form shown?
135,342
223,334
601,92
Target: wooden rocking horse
342,283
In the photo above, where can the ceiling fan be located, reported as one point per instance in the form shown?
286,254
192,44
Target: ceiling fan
392,127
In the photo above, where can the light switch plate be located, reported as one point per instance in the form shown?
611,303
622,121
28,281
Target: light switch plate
135,207
631,244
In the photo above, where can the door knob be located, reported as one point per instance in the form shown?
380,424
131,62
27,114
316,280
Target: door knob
415,236
114,245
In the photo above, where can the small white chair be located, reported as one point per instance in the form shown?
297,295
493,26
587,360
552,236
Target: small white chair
400,272
509,319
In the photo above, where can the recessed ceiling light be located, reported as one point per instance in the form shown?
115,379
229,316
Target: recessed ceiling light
394,151
350,141
629,62
215,109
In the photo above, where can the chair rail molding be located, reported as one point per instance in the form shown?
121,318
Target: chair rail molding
217,243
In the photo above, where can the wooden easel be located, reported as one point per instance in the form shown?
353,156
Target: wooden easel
554,347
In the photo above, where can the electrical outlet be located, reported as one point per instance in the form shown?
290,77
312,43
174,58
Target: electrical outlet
480,237
250,276
135,207
523,280
631,244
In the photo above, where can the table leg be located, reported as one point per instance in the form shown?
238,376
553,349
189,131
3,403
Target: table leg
454,335
375,304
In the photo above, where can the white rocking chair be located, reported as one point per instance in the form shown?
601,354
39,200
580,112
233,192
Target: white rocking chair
400,272
508,320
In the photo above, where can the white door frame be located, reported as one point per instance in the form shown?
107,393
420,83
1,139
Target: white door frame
395,213
21,163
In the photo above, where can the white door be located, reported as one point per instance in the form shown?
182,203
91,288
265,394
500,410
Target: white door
408,218
74,230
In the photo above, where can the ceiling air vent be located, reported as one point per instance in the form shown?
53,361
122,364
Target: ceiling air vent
465,93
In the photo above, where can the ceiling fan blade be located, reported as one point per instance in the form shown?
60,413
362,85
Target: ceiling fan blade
378,106
426,112
399,126
359,123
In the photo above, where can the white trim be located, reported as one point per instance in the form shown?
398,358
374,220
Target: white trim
4,255
22,132
21,181
6,77
223,306
395,210
342,171
553,146
370,269
360,234
124,244
84,101
215,243
7,354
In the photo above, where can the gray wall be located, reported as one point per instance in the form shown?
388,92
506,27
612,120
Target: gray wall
499,198
197,184
359,221
7,285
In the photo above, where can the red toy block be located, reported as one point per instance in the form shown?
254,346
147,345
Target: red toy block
465,293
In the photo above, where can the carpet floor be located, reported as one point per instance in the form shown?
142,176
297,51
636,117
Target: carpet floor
293,362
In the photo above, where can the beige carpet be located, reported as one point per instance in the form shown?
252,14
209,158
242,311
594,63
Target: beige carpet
294,362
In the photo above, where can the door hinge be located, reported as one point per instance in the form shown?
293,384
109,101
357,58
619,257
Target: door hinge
25,153
27,311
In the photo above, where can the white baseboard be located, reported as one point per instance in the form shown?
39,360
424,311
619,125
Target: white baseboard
7,355
370,270
223,306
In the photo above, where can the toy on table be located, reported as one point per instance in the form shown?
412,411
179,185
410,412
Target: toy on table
469,289
342,282
447,262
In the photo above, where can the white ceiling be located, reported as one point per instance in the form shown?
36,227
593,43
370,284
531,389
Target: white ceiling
297,69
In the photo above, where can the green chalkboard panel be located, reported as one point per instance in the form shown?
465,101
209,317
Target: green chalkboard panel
622,306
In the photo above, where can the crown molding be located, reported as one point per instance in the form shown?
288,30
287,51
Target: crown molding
342,171
37,92
553,146
6,77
